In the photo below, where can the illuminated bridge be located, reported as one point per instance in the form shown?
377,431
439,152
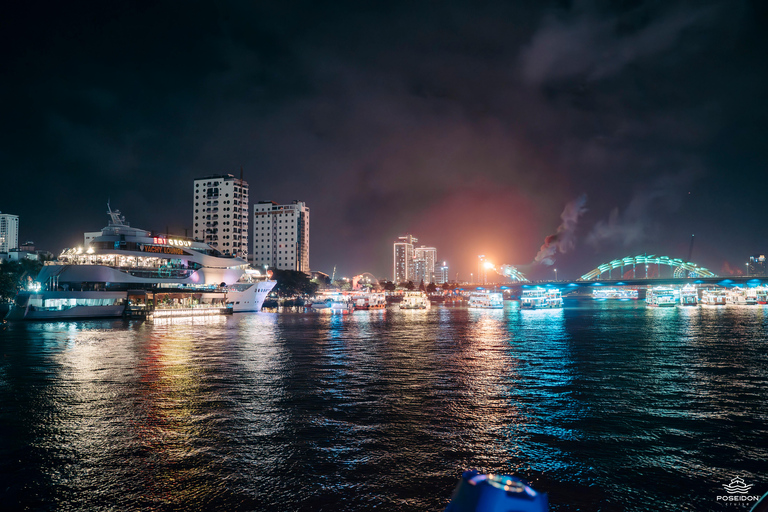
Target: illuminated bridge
680,268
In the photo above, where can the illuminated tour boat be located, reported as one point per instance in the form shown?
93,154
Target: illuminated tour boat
689,296
762,294
371,301
332,302
483,299
129,271
541,298
661,297
415,300
615,293
742,296
713,297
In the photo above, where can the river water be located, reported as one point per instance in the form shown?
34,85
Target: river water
605,406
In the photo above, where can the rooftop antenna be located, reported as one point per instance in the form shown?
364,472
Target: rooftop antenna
241,174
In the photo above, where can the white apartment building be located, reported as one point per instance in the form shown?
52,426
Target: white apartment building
425,270
403,265
281,236
9,232
221,214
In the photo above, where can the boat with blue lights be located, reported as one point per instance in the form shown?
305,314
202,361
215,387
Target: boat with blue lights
484,299
661,297
689,296
615,293
541,298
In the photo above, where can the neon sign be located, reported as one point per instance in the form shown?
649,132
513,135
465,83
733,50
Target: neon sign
163,250
171,241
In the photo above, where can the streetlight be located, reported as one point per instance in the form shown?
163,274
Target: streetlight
555,274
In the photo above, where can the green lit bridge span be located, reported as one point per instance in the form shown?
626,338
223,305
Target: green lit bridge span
639,265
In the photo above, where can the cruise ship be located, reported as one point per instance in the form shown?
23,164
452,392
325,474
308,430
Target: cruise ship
483,299
541,298
127,268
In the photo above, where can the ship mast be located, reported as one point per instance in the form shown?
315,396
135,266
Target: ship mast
115,218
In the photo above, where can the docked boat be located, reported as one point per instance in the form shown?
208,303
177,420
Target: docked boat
714,297
483,299
541,298
689,296
615,293
333,303
127,269
762,294
742,296
661,297
247,296
415,300
371,301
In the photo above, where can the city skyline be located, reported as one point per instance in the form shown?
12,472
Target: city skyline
479,127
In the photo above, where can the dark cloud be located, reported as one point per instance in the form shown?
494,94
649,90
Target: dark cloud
590,44
640,219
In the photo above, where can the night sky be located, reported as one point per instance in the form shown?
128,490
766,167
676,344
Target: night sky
480,127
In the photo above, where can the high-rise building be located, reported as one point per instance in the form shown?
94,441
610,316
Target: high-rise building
221,214
9,232
757,266
429,255
441,275
281,236
404,269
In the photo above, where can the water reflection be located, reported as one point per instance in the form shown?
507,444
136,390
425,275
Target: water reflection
382,409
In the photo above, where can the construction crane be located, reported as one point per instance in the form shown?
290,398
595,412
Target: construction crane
690,250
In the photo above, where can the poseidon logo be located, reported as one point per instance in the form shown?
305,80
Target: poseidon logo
737,486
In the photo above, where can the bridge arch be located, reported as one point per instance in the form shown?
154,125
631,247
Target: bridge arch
513,273
364,278
680,267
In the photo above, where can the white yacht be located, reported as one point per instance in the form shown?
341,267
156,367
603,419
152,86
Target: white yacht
483,299
131,268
